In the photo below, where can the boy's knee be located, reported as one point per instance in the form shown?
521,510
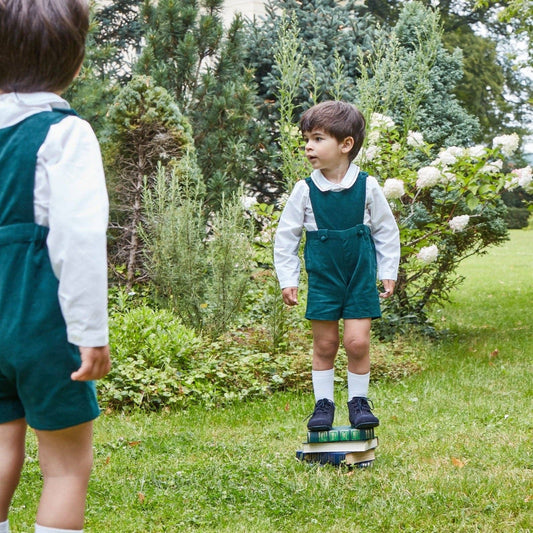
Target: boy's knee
357,346
326,347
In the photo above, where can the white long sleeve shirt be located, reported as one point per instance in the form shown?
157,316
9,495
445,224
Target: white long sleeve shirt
298,214
70,198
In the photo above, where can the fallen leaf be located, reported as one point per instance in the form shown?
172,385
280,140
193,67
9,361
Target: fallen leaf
287,407
494,353
529,498
107,459
141,497
457,462
134,443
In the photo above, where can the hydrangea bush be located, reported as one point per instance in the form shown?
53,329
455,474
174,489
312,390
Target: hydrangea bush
447,208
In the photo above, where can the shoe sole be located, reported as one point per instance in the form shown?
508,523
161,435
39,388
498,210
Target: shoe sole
319,428
367,425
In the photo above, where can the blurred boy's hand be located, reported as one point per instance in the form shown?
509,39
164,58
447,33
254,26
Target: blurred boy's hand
388,286
95,364
290,295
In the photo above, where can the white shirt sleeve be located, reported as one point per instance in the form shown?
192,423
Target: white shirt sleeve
71,199
384,230
289,235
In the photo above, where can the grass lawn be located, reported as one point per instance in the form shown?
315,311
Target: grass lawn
455,454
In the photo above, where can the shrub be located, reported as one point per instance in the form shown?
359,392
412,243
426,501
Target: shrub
149,348
517,217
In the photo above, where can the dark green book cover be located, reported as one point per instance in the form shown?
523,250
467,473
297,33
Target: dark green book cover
340,434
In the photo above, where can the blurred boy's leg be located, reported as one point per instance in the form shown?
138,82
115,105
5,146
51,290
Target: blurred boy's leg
66,458
12,439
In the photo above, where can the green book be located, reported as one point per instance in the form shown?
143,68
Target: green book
340,433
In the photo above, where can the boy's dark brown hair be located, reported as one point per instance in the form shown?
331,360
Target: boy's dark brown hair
42,43
338,119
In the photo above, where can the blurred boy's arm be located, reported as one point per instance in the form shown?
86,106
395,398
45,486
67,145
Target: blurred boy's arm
77,215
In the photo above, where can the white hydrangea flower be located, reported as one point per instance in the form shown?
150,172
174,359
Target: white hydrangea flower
507,143
447,158
520,177
459,223
393,188
415,139
370,152
524,176
373,137
492,167
378,121
428,254
476,152
457,151
428,177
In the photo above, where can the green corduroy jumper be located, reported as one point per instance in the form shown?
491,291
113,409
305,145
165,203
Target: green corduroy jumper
340,257
36,359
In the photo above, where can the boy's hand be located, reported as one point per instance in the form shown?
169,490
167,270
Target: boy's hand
95,364
290,295
388,285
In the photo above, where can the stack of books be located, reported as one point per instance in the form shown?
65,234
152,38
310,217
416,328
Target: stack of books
340,445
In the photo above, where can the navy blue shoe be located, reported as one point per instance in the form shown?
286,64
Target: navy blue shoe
322,417
361,416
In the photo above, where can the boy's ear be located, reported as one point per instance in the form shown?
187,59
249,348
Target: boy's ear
347,145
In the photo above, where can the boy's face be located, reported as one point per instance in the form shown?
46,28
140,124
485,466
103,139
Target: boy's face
324,151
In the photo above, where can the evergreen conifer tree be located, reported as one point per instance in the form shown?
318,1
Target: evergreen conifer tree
189,52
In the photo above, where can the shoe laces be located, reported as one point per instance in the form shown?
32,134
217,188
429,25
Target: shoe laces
322,406
361,404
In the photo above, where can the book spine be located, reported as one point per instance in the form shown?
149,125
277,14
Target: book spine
340,435
332,458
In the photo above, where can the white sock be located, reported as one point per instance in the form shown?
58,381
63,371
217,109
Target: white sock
4,527
358,385
44,529
323,383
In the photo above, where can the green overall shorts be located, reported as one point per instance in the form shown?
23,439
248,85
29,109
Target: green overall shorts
340,257
36,359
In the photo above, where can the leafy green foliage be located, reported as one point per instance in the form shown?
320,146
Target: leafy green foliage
158,363
201,274
446,211
149,348
411,77
144,128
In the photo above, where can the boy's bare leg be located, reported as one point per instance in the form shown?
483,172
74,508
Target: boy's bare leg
12,439
325,343
66,458
357,344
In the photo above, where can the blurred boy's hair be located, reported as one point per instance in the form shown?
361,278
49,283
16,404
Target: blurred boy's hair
42,43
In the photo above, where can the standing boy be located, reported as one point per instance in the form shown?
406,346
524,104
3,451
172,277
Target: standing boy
351,237
53,267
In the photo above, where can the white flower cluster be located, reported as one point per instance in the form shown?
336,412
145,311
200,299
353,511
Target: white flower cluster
428,254
415,139
393,188
428,177
507,143
521,177
492,167
459,223
476,152
379,121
